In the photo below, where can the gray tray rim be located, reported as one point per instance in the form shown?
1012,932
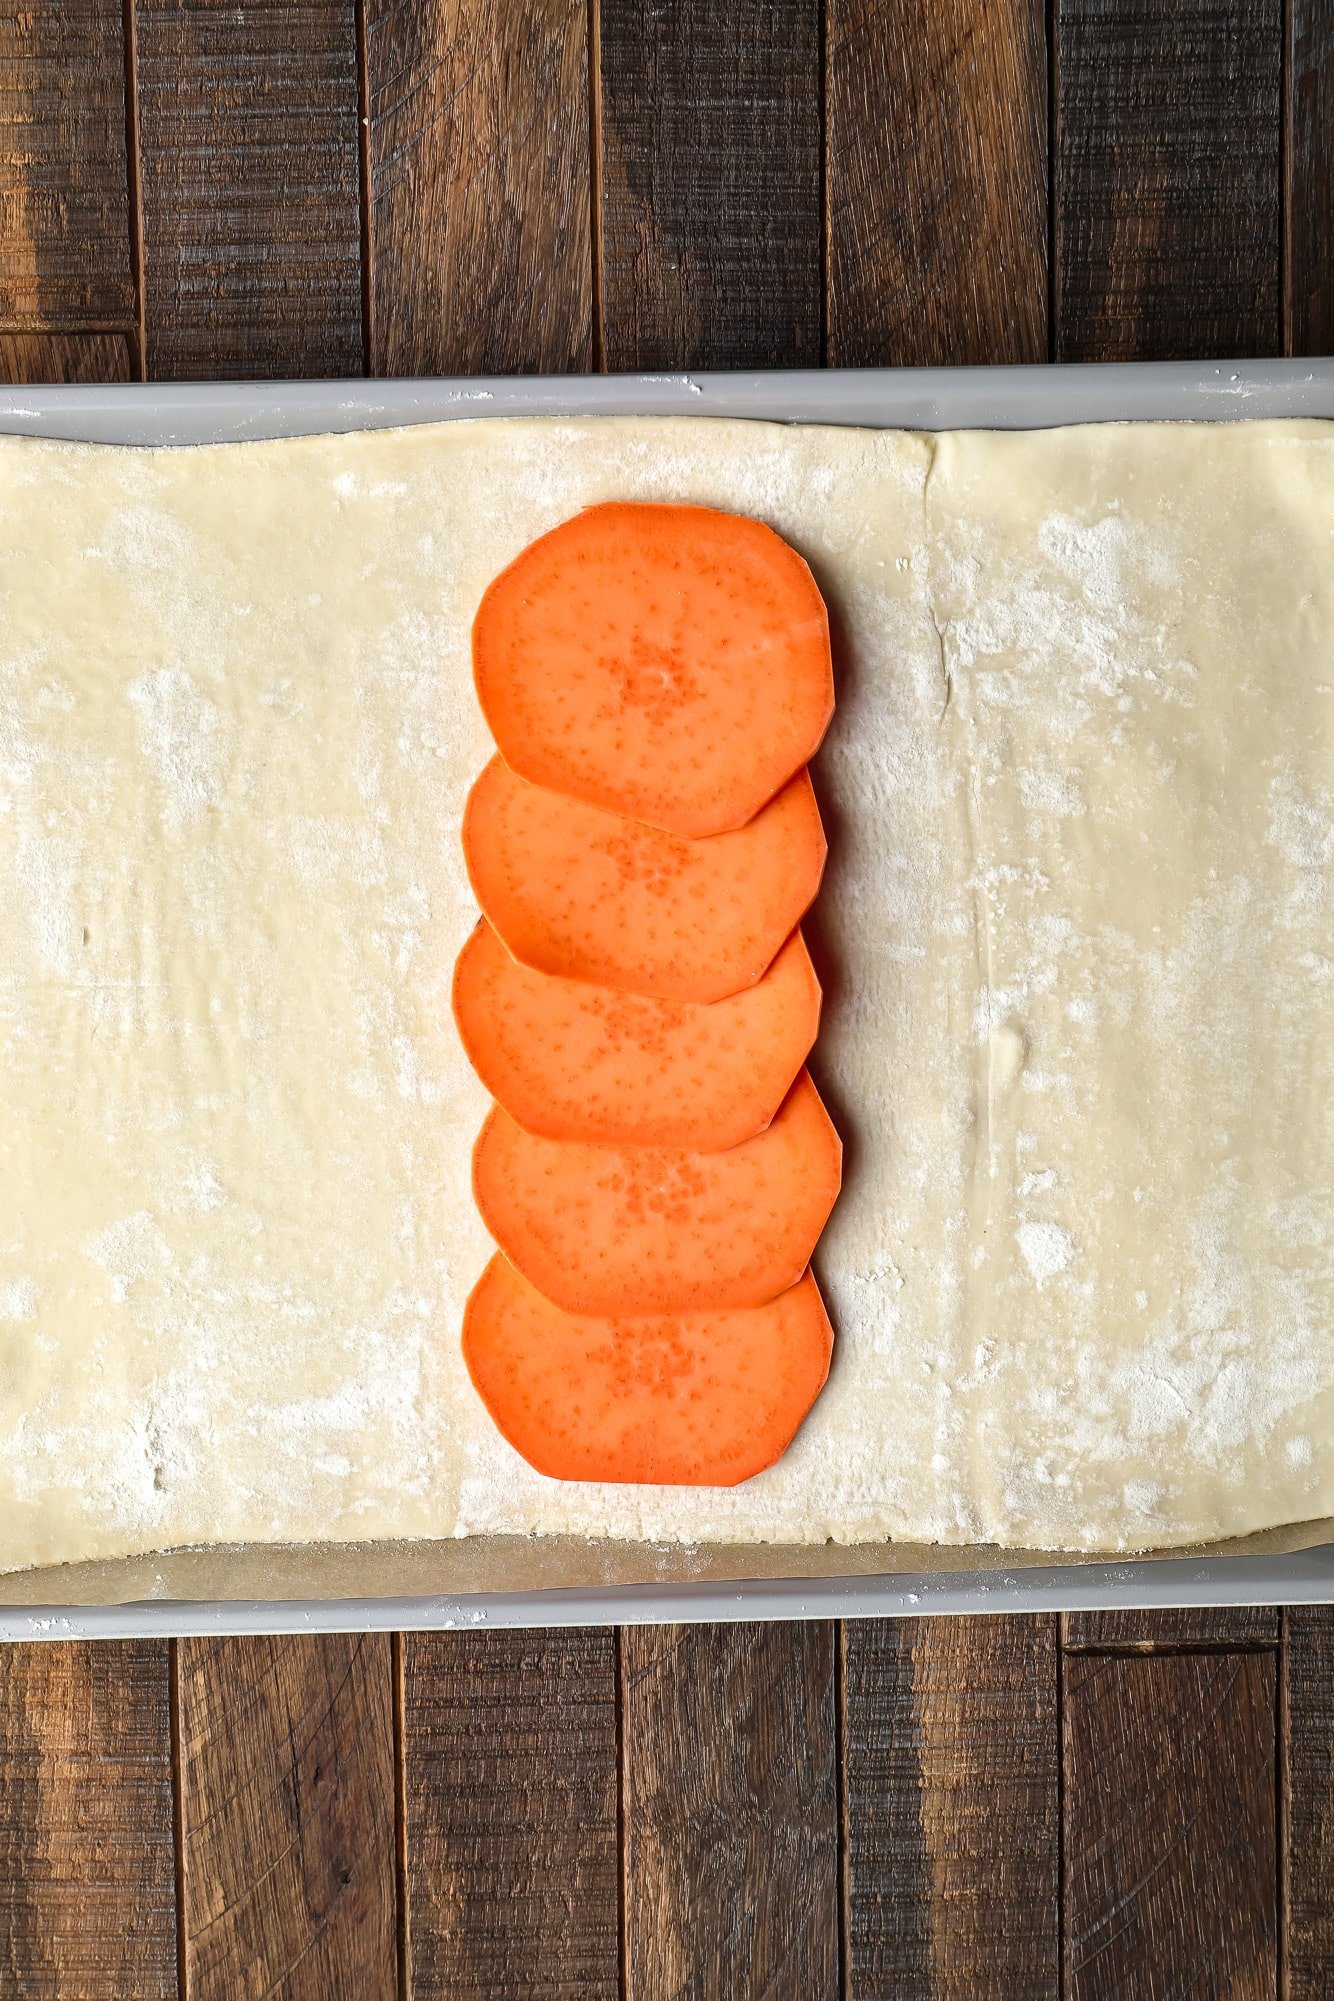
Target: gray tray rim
1018,398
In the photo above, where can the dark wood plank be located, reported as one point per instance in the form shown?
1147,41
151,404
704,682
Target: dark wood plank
64,185
730,1812
1308,1811
74,357
250,187
710,159
510,1789
287,1782
937,177
1167,182
952,1757
1187,1626
481,257
1310,190
1170,1879
87,1872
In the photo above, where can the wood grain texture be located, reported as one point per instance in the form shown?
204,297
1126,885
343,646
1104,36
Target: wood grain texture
730,1812
937,181
55,357
64,186
951,1749
480,223
511,1802
251,187
1138,1631
87,1877
1310,189
1167,179
287,1818
1170,1878
1308,1811
711,224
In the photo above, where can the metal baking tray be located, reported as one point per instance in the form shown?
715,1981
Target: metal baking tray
672,1585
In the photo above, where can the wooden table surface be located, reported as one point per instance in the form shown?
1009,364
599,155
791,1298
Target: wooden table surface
1116,1806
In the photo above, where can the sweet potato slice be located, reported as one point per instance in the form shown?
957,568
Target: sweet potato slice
667,663
570,1061
588,896
696,1399
613,1230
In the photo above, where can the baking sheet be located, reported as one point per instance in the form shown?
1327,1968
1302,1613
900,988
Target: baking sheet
515,1581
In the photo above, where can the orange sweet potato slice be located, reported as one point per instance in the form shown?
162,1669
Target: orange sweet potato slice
588,896
697,1399
625,1230
570,1061
667,663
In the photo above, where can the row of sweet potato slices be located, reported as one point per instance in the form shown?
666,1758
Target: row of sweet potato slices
640,1002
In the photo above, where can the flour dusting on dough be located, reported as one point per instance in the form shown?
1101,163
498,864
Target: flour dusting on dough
1047,1249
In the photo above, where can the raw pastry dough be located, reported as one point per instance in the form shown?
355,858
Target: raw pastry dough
1074,931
